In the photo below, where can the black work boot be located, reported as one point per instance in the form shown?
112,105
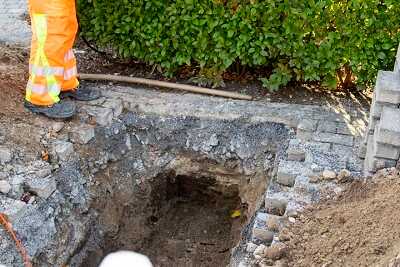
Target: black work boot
60,110
81,94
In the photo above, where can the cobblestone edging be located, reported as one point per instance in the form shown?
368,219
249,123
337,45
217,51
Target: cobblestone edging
381,147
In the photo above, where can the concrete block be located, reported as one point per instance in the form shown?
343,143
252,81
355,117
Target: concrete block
344,128
286,178
275,206
362,151
377,107
386,151
308,125
304,135
82,134
369,163
373,164
373,122
339,139
388,87
296,154
289,170
389,127
327,126
263,234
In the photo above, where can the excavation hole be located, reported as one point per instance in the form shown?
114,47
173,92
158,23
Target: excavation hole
185,221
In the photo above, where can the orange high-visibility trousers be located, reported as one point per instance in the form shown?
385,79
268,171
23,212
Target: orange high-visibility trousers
52,64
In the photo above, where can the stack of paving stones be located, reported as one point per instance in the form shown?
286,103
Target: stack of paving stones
317,160
381,147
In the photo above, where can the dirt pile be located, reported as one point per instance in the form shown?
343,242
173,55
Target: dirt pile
359,228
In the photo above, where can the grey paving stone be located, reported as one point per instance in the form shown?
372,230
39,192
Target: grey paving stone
389,127
296,154
327,126
344,128
308,125
289,170
340,139
388,87
386,151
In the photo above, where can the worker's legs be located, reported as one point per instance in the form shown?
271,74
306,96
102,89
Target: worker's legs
52,65
53,36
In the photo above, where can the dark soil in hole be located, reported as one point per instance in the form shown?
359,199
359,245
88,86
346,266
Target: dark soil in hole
180,221
192,225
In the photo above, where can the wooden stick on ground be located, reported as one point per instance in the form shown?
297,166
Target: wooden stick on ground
184,87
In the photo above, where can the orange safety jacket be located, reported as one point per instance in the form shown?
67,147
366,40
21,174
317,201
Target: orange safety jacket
52,64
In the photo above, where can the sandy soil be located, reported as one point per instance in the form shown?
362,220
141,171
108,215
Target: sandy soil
360,228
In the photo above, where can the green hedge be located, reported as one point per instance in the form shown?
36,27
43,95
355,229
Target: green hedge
306,40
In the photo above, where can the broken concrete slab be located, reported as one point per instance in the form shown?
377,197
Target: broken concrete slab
115,104
43,187
63,150
102,116
11,207
82,134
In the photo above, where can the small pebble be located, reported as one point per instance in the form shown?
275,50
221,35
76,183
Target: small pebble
329,175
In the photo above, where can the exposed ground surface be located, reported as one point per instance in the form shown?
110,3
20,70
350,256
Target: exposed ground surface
142,139
13,76
359,228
